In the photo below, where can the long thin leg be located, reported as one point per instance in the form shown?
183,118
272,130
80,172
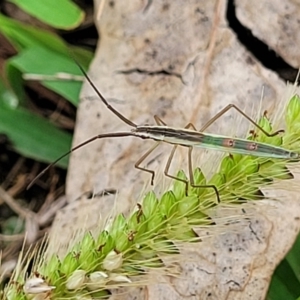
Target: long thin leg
158,121
192,181
167,167
191,175
137,164
168,164
190,125
227,108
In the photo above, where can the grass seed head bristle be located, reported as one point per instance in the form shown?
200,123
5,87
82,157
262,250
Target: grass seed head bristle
136,249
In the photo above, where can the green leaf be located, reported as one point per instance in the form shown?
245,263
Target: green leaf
43,61
284,284
12,225
24,36
42,53
65,15
33,136
7,97
293,258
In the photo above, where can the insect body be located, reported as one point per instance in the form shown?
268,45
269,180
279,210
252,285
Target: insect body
188,137
191,138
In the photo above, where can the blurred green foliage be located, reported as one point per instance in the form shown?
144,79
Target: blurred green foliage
43,53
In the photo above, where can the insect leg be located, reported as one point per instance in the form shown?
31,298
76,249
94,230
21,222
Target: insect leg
137,164
159,121
166,171
167,167
168,164
192,181
230,106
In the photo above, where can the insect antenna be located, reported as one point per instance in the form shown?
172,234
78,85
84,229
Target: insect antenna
112,109
100,136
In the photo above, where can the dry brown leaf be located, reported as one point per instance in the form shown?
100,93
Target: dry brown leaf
276,23
208,69
183,63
